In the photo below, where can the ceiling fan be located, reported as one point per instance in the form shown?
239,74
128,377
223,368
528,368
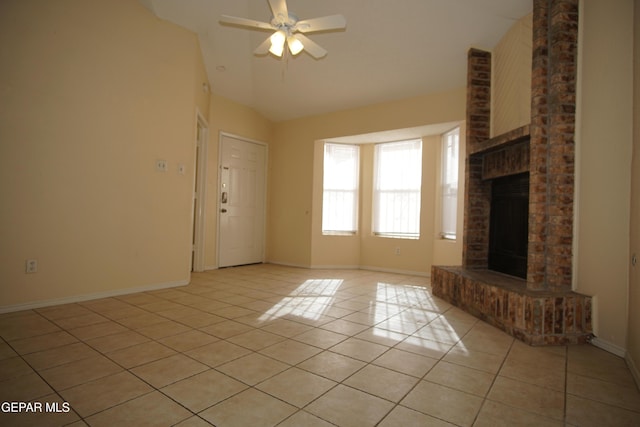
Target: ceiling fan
287,28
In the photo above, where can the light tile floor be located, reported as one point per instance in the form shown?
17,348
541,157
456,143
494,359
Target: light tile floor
268,345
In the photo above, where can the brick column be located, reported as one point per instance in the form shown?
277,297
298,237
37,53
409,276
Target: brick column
553,104
477,193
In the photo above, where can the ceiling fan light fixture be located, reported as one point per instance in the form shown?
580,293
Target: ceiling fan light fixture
289,29
295,45
277,43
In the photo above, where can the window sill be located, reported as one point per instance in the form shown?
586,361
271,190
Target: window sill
397,236
448,237
339,233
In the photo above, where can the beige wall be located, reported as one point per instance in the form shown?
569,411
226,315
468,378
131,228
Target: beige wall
511,78
604,142
93,93
296,183
633,334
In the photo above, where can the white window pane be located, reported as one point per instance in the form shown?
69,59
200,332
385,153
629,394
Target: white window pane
340,172
340,184
338,211
449,202
398,178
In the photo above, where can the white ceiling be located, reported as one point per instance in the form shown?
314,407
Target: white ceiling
390,50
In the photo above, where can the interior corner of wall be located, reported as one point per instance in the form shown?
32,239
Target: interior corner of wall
594,315
609,347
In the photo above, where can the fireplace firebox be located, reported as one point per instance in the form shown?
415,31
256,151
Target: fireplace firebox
508,225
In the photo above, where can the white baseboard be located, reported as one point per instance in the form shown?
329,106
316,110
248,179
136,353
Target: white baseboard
88,297
335,267
288,264
355,267
396,271
607,346
633,368
157,286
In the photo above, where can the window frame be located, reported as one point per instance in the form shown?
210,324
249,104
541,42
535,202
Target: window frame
355,191
446,190
415,189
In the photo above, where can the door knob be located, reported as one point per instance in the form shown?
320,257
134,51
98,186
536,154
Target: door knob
223,210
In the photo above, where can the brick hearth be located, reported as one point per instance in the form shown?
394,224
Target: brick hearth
535,317
541,309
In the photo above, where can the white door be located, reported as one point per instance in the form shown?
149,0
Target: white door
241,200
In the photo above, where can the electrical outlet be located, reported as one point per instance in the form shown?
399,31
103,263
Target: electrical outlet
397,251
161,165
31,266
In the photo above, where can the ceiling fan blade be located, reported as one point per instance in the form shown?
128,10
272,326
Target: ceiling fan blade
244,22
279,9
311,47
263,49
325,23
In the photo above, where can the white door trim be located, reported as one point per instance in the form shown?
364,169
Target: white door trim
200,191
219,192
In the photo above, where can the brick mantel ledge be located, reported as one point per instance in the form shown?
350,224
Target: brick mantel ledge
512,137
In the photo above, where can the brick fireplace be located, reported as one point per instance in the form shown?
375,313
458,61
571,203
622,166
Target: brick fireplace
527,293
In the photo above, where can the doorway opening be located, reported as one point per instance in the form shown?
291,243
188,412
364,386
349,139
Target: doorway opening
199,194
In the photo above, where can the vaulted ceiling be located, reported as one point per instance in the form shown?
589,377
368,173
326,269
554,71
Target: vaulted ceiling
389,50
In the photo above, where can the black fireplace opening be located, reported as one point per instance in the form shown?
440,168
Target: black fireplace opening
509,225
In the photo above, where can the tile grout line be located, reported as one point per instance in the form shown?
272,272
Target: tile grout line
129,370
35,371
352,296
495,377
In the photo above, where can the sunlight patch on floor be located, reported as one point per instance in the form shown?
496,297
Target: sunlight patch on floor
309,300
422,316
